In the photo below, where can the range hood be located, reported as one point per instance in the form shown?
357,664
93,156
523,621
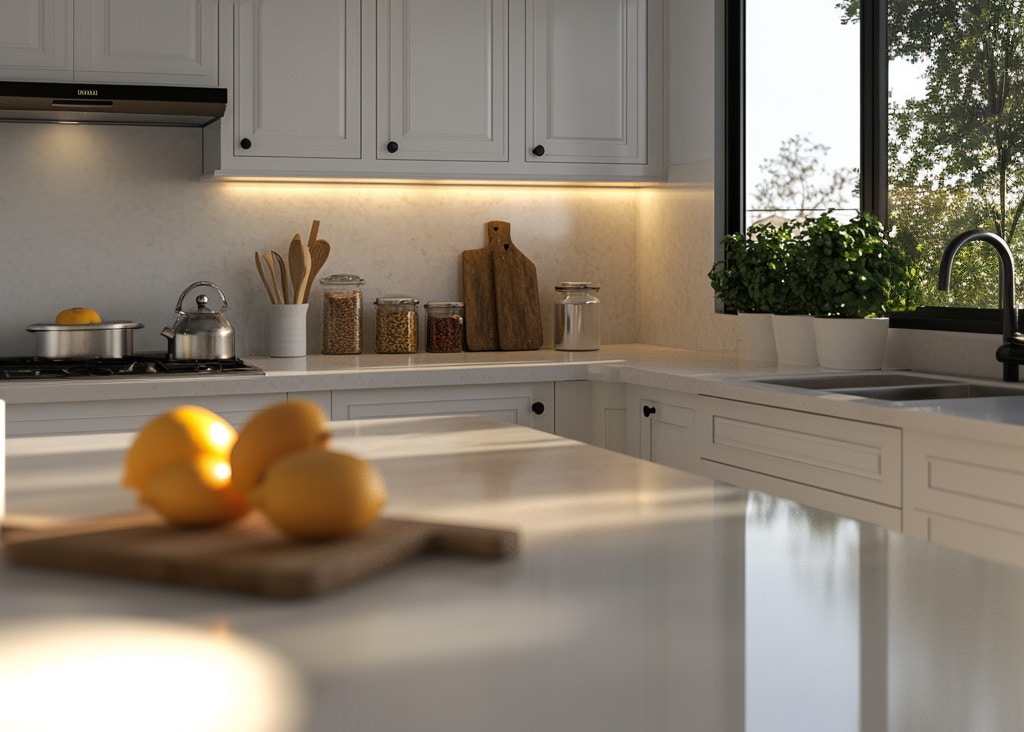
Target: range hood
123,104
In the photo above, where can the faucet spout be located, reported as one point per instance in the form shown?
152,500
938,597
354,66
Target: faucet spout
1011,353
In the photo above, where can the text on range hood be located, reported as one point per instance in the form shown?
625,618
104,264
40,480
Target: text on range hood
125,104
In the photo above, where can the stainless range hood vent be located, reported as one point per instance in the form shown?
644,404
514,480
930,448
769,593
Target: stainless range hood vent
117,104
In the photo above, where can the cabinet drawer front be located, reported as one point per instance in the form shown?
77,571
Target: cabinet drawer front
977,539
975,481
853,458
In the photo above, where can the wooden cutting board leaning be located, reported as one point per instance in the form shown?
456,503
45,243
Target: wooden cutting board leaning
501,295
249,556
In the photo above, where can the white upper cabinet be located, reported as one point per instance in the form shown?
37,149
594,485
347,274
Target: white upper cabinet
297,71
146,41
442,79
586,97
110,41
440,90
36,40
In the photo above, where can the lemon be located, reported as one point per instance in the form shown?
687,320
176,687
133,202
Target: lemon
179,435
272,433
317,494
197,492
77,316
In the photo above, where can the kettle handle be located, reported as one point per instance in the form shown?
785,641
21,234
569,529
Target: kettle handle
194,285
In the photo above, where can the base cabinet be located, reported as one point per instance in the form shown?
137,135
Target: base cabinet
965,494
663,427
531,405
593,412
847,467
122,415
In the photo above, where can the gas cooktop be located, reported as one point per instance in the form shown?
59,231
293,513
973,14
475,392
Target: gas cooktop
139,364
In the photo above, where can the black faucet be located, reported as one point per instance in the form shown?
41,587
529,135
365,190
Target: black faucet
1011,353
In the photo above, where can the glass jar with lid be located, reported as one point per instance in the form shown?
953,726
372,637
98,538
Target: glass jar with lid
397,324
577,317
445,331
342,317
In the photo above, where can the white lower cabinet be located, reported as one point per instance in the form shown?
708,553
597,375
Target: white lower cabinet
965,494
847,467
529,404
593,412
122,415
663,427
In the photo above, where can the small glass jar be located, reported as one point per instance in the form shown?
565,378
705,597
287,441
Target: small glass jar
342,318
577,317
397,325
445,331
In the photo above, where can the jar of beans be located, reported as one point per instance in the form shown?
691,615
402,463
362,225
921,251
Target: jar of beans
444,327
342,330
397,325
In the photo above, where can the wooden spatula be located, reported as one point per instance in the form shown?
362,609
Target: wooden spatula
319,250
298,266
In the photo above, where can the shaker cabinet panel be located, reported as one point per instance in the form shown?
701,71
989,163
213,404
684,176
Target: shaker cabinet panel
110,41
442,79
663,427
146,41
586,81
528,404
296,79
36,40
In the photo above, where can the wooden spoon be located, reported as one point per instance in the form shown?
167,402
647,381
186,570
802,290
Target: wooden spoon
282,274
319,250
298,266
268,257
266,281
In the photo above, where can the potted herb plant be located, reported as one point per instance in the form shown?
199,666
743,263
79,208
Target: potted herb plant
759,277
856,274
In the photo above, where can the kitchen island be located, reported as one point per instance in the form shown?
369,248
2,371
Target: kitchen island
642,598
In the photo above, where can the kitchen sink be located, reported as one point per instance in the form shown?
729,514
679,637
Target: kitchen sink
896,386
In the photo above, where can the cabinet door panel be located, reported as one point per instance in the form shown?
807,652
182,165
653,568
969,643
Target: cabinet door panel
146,41
441,75
297,79
35,40
585,63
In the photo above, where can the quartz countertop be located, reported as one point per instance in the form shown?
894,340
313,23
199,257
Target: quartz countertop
713,374
643,598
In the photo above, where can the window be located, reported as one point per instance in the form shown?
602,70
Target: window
910,109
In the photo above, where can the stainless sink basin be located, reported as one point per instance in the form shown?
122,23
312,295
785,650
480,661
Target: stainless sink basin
896,386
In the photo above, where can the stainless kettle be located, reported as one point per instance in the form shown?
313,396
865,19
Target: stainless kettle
202,334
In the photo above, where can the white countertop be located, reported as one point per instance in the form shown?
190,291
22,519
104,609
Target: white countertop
1000,418
642,599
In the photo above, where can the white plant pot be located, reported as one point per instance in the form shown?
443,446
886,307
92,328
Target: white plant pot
794,340
757,337
851,343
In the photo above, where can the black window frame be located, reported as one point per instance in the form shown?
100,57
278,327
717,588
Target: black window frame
874,83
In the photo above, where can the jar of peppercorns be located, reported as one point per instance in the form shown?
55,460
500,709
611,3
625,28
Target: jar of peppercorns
342,316
444,326
397,325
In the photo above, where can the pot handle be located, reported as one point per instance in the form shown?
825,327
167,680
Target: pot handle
194,285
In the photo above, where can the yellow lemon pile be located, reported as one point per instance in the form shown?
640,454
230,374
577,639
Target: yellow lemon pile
192,467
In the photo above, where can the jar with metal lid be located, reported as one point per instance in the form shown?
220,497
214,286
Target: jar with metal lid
577,317
342,317
397,325
445,321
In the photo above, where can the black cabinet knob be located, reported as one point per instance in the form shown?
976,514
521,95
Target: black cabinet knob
392,147
537,407
538,151
245,143
648,411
